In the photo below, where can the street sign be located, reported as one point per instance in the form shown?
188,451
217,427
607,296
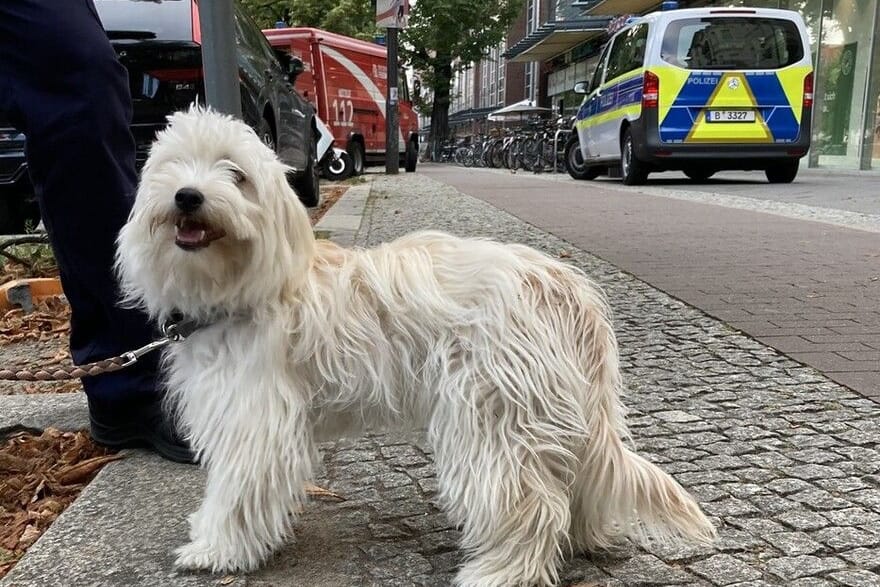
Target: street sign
392,14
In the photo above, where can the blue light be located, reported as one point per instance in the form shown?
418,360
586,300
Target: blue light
280,24
669,5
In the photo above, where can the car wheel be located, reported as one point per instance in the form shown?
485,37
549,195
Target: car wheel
574,160
356,151
340,168
307,184
783,172
266,135
632,169
697,174
412,157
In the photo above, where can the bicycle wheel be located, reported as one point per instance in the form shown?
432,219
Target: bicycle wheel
513,156
529,153
496,156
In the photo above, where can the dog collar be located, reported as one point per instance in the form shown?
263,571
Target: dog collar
178,327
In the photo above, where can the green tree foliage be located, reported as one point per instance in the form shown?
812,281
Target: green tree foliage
447,35
354,18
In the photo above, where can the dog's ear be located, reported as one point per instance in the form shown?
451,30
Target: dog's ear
293,223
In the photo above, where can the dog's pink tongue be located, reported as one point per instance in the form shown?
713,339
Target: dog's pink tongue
190,234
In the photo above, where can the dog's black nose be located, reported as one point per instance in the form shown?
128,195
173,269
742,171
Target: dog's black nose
188,200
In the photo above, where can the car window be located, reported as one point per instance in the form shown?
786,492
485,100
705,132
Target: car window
732,43
628,52
131,20
254,37
600,69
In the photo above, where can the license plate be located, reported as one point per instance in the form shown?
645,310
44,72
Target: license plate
730,116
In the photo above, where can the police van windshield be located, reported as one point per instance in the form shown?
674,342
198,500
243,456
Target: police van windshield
732,43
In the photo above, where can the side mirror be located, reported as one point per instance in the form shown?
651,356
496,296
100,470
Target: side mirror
294,68
582,88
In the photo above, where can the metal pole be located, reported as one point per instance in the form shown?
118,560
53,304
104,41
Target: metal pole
392,141
219,57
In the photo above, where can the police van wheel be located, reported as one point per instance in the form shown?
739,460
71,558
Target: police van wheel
783,172
633,170
574,160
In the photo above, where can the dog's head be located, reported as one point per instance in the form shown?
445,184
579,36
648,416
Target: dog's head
215,226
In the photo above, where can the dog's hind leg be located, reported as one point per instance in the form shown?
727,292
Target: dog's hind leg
507,496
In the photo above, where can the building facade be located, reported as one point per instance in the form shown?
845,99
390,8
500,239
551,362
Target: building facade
555,43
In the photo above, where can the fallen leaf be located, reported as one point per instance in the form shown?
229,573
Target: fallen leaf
79,472
227,579
321,493
29,536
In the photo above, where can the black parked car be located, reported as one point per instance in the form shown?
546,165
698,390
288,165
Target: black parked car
160,45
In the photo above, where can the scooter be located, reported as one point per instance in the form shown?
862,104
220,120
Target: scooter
335,163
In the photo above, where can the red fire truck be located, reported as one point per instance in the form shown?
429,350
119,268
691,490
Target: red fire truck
346,80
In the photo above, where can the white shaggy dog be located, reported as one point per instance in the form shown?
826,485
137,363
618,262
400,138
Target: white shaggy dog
504,355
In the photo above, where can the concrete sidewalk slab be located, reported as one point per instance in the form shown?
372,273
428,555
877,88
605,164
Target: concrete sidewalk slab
343,220
65,411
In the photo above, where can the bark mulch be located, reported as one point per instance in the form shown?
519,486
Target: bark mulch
40,475
330,194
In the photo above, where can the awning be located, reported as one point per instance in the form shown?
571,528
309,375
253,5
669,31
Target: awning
615,7
518,111
554,38
470,114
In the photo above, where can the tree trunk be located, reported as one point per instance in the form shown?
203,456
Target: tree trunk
440,110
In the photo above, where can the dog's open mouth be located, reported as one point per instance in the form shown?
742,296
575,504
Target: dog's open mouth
192,234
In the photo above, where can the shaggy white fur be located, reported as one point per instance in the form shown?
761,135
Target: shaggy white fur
506,356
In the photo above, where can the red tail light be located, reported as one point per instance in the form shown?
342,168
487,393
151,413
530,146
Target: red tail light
808,90
177,75
650,90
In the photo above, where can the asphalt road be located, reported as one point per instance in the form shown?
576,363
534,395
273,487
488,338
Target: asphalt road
851,191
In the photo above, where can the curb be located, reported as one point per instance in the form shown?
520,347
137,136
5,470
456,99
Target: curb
343,220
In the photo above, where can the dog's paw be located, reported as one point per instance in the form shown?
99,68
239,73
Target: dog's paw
200,555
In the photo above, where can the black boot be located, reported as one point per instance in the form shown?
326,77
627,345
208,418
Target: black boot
137,424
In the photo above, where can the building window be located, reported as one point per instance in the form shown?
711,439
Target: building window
531,16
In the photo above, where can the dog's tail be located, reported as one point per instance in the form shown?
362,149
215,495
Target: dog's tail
617,492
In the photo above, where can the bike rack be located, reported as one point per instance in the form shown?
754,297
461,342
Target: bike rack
556,147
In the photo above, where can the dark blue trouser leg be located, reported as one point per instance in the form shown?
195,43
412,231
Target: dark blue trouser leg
63,87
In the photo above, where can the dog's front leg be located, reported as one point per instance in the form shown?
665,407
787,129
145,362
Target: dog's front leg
257,466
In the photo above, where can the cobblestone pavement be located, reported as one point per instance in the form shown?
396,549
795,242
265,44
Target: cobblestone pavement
784,460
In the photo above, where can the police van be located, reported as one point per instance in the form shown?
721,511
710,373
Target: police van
697,90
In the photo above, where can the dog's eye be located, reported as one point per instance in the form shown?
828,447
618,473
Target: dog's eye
238,176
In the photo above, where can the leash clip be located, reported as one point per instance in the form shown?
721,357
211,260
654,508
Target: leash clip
131,357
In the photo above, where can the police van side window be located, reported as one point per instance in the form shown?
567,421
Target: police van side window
629,51
600,69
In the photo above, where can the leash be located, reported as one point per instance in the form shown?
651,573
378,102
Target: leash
175,329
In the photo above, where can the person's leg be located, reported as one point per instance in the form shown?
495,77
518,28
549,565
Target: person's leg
65,88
